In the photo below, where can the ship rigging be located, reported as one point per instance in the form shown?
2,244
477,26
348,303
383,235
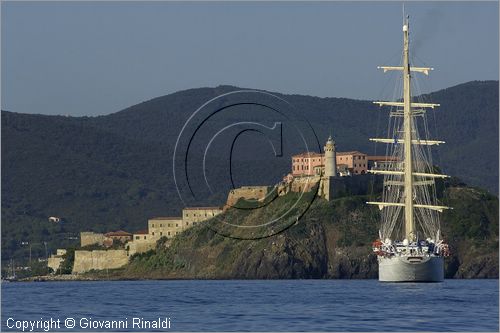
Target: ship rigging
409,247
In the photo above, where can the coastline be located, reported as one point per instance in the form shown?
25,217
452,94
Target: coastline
80,278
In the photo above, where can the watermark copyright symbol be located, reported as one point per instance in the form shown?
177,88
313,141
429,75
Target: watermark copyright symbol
69,323
221,137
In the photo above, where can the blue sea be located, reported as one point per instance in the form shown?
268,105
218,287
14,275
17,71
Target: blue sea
281,305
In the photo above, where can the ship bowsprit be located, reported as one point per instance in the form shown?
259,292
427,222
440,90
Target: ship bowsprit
411,269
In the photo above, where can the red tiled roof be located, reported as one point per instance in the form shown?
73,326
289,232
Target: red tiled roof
382,158
202,208
141,232
355,152
166,218
312,154
117,233
308,154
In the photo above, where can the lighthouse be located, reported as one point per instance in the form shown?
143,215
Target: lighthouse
330,158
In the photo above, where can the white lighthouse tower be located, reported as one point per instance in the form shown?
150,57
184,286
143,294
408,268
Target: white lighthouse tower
330,158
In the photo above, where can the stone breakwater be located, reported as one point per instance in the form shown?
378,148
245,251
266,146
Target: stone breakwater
62,277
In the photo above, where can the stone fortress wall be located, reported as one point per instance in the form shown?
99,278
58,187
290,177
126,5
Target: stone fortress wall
140,246
91,238
99,260
247,193
332,187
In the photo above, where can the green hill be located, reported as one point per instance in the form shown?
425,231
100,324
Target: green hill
114,172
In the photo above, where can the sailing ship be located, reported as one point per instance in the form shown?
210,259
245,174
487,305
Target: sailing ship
409,248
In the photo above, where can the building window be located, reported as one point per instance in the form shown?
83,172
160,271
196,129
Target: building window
137,237
176,225
153,225
144,237
187,223
153,233
169,225
161,225
161,233
169,233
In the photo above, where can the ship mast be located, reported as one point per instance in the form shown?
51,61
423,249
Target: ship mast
407,114
409,178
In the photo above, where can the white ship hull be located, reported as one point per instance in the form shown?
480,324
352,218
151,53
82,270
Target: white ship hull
411,269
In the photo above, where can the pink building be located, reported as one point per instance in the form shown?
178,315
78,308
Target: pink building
356,162
312,164
306,164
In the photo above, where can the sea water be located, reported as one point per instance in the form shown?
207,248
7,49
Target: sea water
257,305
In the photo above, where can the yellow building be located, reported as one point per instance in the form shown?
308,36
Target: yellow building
193,215
158,227
141,242
165,226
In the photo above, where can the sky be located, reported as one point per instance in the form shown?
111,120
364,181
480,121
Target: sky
76,58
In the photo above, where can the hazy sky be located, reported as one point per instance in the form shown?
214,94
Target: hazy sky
97,58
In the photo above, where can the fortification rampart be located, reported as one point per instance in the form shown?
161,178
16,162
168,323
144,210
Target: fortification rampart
304,184
334,187
247,193
331,188
141,246
99,260
91,238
